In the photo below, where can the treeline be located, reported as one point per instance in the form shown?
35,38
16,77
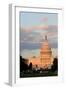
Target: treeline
24,64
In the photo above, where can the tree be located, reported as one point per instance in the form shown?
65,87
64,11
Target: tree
55,65
23,65
30,66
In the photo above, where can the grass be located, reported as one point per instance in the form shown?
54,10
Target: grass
38,74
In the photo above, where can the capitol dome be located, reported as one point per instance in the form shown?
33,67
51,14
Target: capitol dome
45,53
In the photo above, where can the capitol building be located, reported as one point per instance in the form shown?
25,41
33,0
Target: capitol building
45,59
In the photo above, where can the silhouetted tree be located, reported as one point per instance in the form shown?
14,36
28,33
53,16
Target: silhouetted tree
23,65
30,66
55,64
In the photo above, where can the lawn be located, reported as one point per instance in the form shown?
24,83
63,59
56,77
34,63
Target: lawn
38,73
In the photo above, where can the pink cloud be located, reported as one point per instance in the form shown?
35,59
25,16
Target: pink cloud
38,27
45,19
52,33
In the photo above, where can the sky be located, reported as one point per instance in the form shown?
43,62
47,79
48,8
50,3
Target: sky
33,28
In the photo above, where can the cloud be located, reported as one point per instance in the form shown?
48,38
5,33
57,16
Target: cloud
45,19
37,27
40,27
32,40
29,46
38,35
54,52
30,53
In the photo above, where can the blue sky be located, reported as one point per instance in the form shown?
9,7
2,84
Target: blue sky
33,28
33,18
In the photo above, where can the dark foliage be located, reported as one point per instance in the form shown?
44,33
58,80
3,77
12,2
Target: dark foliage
55,65
23,65
30,66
